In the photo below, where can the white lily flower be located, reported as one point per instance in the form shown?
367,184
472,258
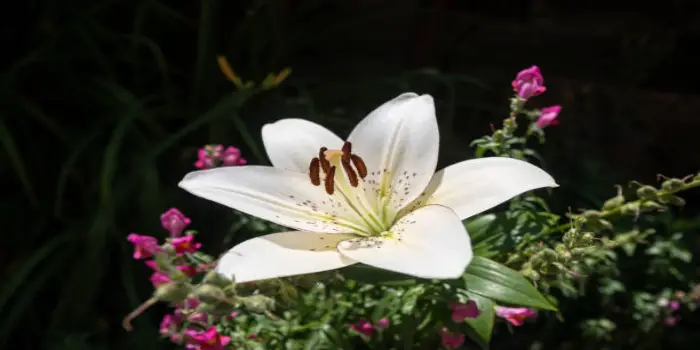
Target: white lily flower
373,199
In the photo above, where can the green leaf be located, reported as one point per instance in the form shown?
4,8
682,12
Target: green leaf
493,280
478,226
368,274
482,326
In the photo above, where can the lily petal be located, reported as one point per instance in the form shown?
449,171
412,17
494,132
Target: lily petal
430,242
284,197
292,143
399,143
473,186
282,254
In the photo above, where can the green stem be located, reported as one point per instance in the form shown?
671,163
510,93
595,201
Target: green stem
609,213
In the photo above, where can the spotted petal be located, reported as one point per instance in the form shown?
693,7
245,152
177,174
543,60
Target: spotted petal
430,242
399,144
283,254
284,197
473,186
291,143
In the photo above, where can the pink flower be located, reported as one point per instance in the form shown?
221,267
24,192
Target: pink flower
207,156
159,277
185,244
451,340
529,83
174,221
548,116
253,336
671,321
207,340
363,327
144,246
674,305
169,326
383,323
467,310
232,156
515,315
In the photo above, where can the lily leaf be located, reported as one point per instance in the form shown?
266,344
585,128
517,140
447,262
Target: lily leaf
498,282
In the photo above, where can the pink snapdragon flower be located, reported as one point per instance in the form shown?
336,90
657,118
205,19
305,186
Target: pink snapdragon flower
515,315
548,116
144,246
185,244
383,323
232,156
451,340
461,311
174,221
209,339
529,83
211,156
363,327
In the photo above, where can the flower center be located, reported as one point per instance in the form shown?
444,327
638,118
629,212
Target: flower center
342,173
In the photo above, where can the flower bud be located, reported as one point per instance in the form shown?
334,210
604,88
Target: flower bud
208,293
258,303
217,279
215,308
498,136
672,185
652,206
673,200
646,192
630,208
172,292
615,202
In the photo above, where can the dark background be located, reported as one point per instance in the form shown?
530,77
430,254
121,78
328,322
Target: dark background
104,104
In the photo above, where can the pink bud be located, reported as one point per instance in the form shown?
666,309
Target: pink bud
144,246
451,340
674,305
671,321
462,311
529,83
158,278
548,116
515,315
363,327
174,221
232,157
383,323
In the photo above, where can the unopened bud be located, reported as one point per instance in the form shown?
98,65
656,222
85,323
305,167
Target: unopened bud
217,279
673,200
531,274
646,192
652,206
672,185
630,209
258,303
614,202
498,136
172,292
592,215
208,293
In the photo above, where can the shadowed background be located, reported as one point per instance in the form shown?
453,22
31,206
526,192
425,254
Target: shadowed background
104,104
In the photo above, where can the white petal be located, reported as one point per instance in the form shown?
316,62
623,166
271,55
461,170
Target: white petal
284,197
430,242
282,254
292,143
473,186
399,143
